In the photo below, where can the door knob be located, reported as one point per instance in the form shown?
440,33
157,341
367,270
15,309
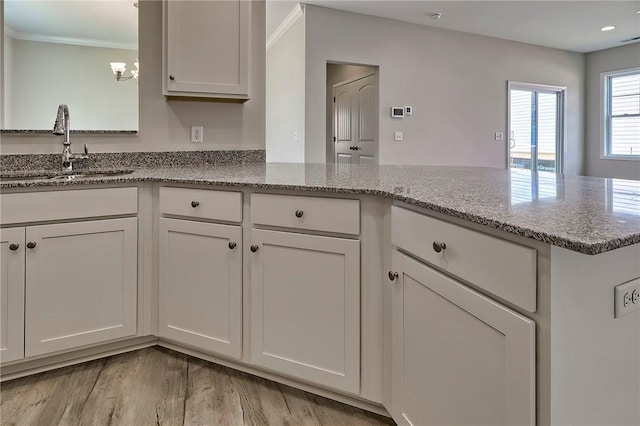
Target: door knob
393,275
14,246
195,204
299,213
232,245
31,244
254,248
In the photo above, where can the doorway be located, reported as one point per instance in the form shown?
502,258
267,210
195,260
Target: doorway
352,114
536,127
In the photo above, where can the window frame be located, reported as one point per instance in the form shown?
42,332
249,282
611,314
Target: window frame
606,117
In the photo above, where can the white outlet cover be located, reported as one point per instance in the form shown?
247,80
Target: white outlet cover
619,298
398,136
197,134
499,136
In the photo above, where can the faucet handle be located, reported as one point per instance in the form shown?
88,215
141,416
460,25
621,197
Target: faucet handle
86,149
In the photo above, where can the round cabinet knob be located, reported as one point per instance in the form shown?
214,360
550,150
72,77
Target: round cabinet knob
195,204
254,248
172,77
232,245
31,244
14,246
438,246
393,275
299,213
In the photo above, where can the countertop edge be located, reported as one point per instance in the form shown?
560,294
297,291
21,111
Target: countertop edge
577,246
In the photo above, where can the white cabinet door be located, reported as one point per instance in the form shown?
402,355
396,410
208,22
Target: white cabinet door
207,48
458,358
305,307
81,284
201,285
12,296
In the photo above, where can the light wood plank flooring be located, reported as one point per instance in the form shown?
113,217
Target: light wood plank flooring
156,386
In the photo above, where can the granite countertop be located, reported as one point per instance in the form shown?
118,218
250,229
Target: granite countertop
584,214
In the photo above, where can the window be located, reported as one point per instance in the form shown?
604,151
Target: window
621,129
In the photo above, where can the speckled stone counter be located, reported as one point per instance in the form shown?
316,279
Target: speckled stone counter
585,214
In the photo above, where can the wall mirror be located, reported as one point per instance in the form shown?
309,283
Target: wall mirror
60,52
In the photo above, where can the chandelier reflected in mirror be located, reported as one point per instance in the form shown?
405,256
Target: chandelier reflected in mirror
119,69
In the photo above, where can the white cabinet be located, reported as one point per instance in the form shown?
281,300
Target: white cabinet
12,297
458,358
201,285
305,307
206,51
81,285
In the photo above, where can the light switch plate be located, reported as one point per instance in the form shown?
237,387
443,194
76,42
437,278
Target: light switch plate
626,298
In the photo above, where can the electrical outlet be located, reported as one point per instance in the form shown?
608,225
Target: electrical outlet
499,136
197,135
626,298
398,136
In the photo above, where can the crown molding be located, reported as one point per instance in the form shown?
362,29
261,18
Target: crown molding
291,18
67,40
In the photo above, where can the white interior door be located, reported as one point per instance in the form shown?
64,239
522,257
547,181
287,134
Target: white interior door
355,121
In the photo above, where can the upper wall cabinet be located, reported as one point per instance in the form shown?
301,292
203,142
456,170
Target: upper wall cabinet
206,49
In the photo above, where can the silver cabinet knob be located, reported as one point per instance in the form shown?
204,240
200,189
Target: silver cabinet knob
299,213
393,275
195,204
14,246
232,245
254,248
31,244
439,246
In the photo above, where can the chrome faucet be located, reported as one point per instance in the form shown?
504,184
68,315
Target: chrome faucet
61,127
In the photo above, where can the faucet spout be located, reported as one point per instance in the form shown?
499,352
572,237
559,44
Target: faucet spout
61,126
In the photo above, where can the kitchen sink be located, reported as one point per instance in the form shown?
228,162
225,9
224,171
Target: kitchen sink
64,176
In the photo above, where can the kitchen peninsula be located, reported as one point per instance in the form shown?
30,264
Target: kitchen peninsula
523,268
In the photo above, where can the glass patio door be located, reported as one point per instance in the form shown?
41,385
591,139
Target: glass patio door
535,128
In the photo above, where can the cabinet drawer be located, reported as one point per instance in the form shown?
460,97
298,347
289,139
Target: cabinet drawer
59,205
500,267
314,213
201,203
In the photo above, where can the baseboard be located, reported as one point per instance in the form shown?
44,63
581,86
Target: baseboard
327,393
54,362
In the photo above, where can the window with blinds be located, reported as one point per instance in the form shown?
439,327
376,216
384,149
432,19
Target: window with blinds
622,114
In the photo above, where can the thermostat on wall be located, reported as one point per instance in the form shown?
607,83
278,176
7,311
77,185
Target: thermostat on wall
397,112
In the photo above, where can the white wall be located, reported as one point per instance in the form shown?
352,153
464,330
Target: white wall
285,96
7,82
165,126
598,62
338,73
456,82
48,74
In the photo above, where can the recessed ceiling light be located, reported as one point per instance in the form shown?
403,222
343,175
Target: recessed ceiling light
435,16
638,11
608,28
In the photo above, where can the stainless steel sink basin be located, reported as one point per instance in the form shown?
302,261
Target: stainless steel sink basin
64,176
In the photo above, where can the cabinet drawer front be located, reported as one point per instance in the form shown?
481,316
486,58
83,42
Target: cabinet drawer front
201,203
314,213
59,205
500,267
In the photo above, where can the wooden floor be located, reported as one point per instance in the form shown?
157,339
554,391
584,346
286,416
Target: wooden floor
156,386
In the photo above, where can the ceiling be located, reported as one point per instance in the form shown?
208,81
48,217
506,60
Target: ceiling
561,24
568,25
105,23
